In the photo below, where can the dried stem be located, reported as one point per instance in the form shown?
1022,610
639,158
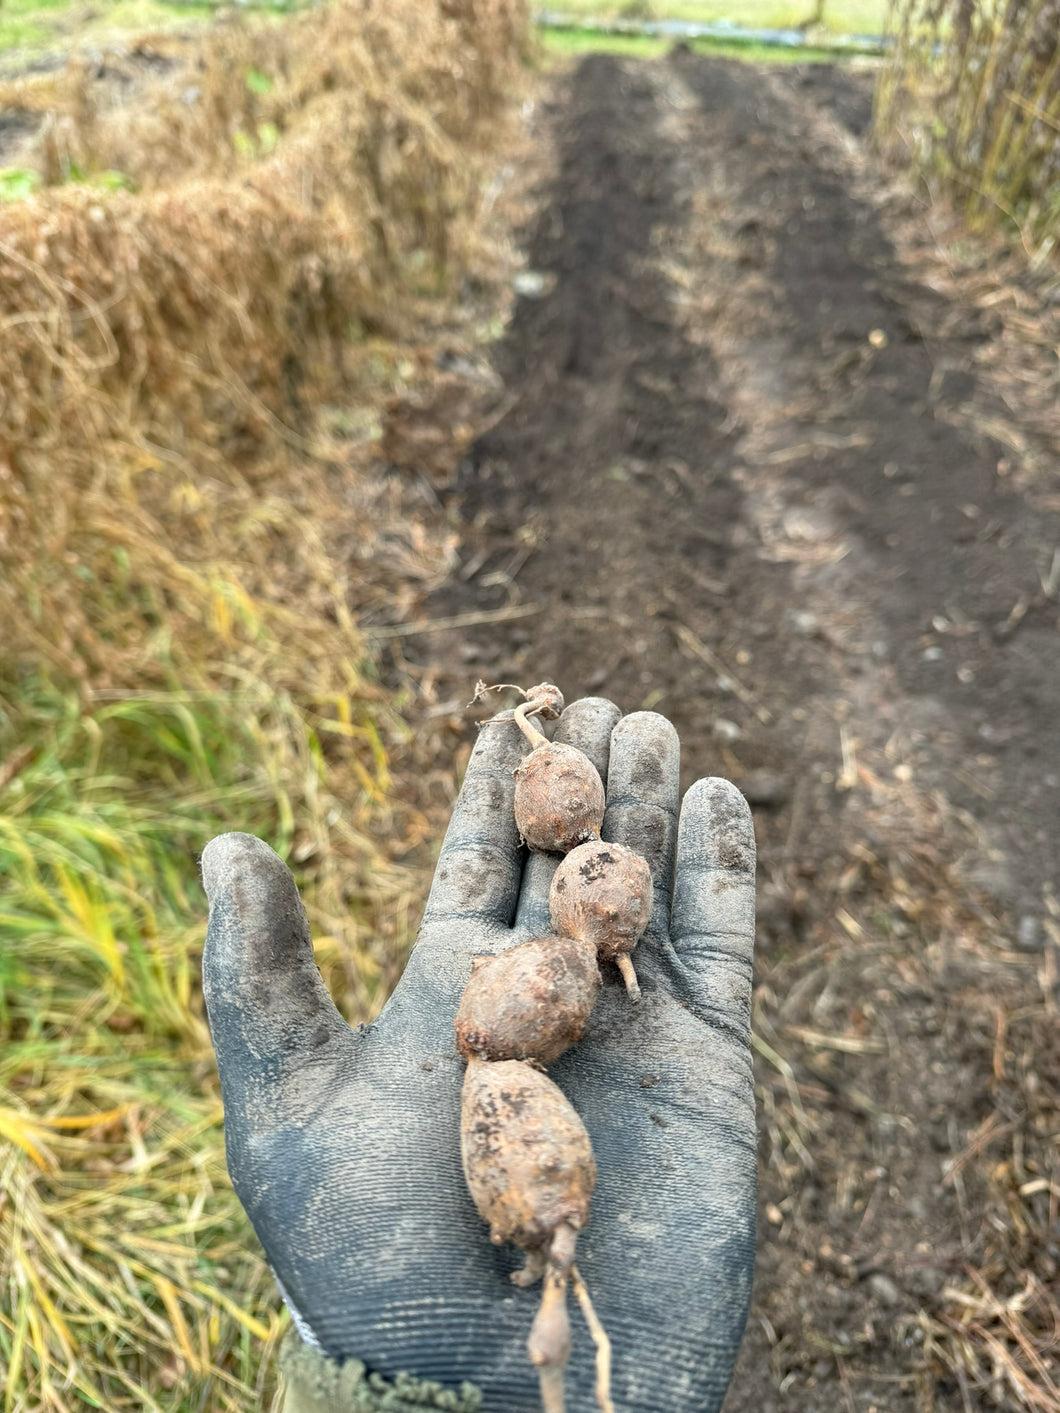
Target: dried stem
529,730
545,699
600,1339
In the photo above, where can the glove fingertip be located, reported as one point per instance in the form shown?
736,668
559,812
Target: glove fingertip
712,921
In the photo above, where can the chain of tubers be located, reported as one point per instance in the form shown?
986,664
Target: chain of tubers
527,1158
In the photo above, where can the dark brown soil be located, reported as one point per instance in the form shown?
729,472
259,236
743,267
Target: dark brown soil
739,476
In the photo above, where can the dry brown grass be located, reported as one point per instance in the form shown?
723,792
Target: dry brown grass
194,371
971,100
161,344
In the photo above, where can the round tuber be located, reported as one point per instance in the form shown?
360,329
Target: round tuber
559,798
602,893
529,1003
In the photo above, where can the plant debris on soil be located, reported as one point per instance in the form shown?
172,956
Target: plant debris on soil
775,453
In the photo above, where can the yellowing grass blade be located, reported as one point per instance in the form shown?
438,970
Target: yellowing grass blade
256,1328
75,1121
24,1134
176,1318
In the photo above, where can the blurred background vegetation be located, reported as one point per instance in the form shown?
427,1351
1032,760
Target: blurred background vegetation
970,100
203,310
204,307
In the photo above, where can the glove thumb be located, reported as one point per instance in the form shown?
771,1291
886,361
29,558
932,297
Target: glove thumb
269,1011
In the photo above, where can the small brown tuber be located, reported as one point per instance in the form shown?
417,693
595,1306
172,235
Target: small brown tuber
559,798
530,1002
603,893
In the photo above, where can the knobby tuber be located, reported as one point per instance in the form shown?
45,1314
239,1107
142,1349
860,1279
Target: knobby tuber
602,893
559,798
527,1157
529,1003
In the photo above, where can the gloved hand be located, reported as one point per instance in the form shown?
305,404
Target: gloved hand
343,1144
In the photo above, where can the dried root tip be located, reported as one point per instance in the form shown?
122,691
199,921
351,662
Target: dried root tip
561,1250
549,1341
532,1271
545,700
551,1383
600,1339
624,962
602,892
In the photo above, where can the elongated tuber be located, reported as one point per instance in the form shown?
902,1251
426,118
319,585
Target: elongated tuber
527,1157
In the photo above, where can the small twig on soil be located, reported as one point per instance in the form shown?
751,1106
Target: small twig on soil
989,1132
845,1044
848,776
1051,582
460,620
700,649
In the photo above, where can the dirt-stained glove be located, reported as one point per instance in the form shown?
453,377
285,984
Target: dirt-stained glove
343,1144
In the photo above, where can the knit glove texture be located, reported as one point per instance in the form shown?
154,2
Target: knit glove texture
343,1143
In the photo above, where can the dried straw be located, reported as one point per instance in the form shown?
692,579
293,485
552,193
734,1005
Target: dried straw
189,536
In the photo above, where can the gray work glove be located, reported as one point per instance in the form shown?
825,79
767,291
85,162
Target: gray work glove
343,1144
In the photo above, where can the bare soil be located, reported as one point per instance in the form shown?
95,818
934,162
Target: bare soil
738,472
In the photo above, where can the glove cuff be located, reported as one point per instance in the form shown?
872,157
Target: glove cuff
316,1384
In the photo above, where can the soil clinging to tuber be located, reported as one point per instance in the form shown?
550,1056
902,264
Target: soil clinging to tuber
603,893
527,1157
529,1003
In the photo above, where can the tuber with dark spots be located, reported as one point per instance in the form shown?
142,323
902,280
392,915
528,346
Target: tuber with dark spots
530,1169
603,893
527,1157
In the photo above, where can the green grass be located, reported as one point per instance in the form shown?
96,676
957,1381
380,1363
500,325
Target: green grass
111,1141
840,16
563,42
37,26
32,27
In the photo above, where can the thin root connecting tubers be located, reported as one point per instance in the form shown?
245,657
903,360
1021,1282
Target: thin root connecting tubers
527,1157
